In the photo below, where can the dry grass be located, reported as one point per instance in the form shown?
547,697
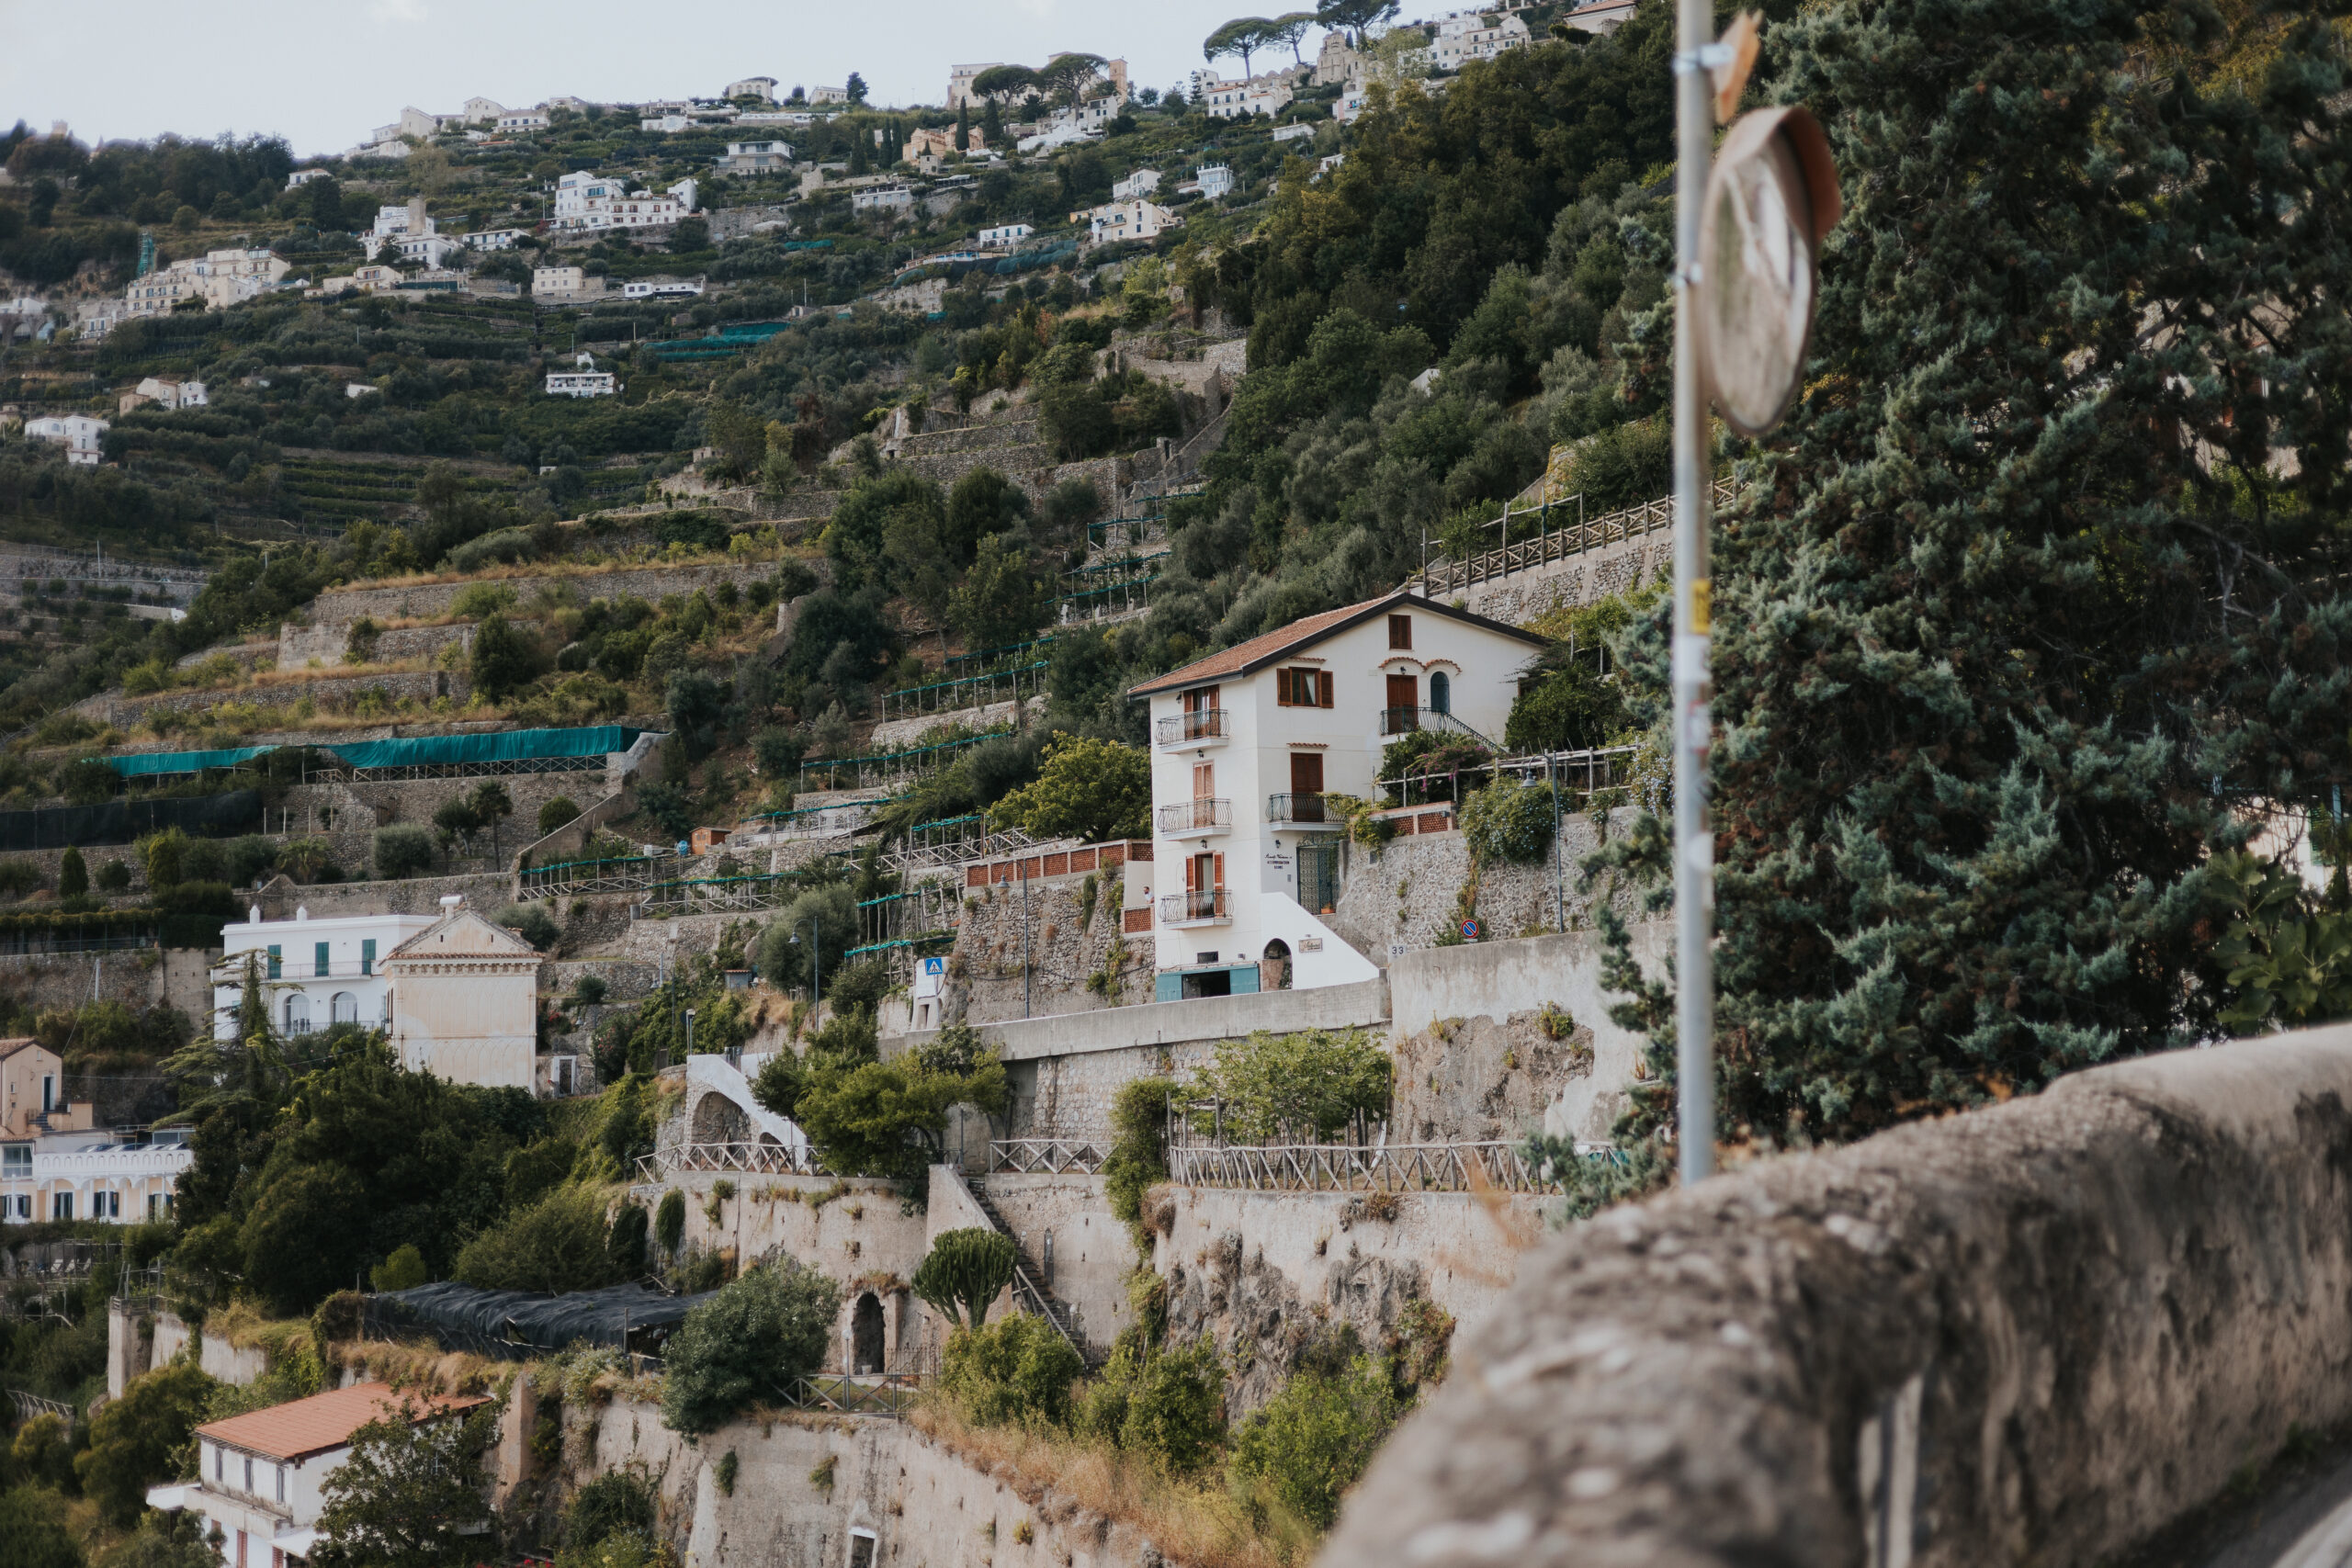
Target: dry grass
423,1366
1195,1523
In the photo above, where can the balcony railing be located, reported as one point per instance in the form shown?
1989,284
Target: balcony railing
1203,907
1193,728
1301,808
1399,721
1203,814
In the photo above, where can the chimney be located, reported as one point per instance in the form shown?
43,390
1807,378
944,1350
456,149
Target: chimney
449,902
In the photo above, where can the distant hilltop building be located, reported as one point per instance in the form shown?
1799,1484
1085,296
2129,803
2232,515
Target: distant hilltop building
760,88
590,202
220,280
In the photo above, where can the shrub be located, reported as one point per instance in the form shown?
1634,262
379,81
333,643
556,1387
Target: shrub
114,878
18,877
32,1524
532,923
1015,1371
752,1341
616,1501
1510,821
1169,1405
625,1246
400,851
504,658
556,813
668,807
1311,1081
1299,1454
480,601
557,1245
964,1271
403,1270
670,1221
1139,1156
132,1437
73,876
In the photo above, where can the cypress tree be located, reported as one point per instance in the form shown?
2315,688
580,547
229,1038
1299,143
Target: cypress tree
2038,598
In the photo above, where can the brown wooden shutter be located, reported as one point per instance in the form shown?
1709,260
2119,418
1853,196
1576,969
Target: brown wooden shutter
1323,683
1220,872
1282,688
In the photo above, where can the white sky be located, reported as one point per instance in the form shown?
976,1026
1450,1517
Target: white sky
324,72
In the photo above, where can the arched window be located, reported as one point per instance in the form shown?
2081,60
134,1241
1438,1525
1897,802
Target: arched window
1441,693
298,1014
345,1008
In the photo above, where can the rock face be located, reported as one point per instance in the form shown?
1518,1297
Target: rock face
2030,1334
1480,1079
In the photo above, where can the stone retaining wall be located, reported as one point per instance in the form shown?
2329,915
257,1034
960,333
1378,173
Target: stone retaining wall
328,642
333,693
423,599
1580,580
2038,1332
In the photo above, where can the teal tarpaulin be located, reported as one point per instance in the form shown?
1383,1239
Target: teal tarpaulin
426,750
144,764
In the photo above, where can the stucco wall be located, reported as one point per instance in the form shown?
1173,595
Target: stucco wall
923,1503
857,1231
1092,1255
2037,1332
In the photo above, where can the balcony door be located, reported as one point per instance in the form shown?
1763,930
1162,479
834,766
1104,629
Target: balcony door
1404,705
1307,786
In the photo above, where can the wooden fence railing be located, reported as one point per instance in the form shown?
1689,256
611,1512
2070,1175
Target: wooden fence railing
1440,574
751,1159
1346,1168
1046,1157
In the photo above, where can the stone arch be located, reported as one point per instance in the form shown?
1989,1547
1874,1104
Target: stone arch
1274,969
868,1339
719,1119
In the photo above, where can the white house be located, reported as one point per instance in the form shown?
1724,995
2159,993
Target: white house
581,384
882,198
960,82
665,124
313,973
1004,236
660,288
1214,181
584,200
1248,744
170,394
491,238
430,249
300,177
1136,219
1268,95
756,157
760,88
1465,35
54,1164
477,109
1143,182
465,1004
83,437
261,1477
523,119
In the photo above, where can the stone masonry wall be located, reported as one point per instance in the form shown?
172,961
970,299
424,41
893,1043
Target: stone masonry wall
327,643
1064,954
654,582
2041,1331
1580,580
334,693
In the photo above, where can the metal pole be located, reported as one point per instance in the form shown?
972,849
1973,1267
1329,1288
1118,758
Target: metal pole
1694,847
1024,937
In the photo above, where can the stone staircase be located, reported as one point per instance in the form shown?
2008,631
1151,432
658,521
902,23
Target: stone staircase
1029,1288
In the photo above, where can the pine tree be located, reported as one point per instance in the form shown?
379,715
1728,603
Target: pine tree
2038,595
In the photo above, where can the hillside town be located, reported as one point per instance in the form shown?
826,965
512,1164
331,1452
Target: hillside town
1645,797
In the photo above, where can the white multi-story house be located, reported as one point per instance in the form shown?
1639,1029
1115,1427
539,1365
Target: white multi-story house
165,394
581,384
660,288
55,1166
159,293
882,198
395,224
466,1005
300,177
589,201
1143,182
479,109
1465,35
756,157
558,280
960,82
491,238
829,94
666,124
83,437
523,119
313,973
1269,94
1248,745
262,1477
1213,181
1136,219
760,88
1003,236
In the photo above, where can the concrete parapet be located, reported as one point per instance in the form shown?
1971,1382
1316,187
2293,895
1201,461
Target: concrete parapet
2038,1332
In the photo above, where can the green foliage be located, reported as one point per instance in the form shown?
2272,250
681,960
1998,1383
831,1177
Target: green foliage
669,1221
162,1540
43,1452
999,601
73,876
2288,963
401,850
1623,466
504,659
1510,821
882,1119
555,813
403,1270
410,1492
625,1246
1166,1405
1306,1085
132,1441
1089,789
556,1245
33,1532
747,1343
607,1504
964,1271
1298,1454
1139,1155
1016,1371
531,922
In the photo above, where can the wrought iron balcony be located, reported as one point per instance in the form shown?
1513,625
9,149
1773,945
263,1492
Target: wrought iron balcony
1399,721
1204,907
1203,728
1301,811
1203,814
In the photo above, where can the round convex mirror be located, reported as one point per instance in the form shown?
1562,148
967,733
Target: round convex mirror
1765,211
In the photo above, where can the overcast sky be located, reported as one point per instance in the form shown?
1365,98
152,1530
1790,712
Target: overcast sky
322,74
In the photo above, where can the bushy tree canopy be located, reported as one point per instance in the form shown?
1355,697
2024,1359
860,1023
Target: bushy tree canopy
749,1343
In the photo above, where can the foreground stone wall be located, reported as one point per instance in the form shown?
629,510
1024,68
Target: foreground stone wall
2034,1333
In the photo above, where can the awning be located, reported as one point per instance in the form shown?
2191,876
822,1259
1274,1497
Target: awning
170,1499
295,1543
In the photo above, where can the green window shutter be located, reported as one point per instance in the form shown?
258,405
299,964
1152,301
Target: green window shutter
319,960
277,962
368,955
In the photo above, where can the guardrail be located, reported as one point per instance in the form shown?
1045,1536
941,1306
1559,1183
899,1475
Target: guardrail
29,1405
1440,574
1201,814
751,1159
630,876
1203,908
1190,729
1311,808
1345,1167
1046,1157
888,1395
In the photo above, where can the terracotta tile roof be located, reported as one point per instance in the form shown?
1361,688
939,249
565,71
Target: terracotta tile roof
324,1421
1244,657
10,1047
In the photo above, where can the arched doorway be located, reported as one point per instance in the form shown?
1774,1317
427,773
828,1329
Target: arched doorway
865,1335
1441,692
1273,973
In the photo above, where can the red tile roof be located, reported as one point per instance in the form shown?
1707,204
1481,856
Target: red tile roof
10,1047
1244,657
324,1421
